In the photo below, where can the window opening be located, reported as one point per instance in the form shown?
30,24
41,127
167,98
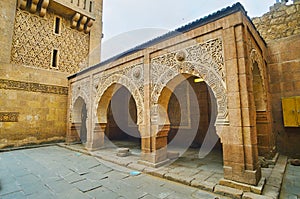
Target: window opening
91,6
54,58
57,25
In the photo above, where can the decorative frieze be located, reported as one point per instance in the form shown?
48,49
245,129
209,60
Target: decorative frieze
32,87
204,60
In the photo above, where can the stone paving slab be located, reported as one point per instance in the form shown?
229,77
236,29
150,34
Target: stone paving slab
103,192
88,185
33,188
59,186
7,188
72,193
95,176
74,177
53,172
14,195
101,169
291,183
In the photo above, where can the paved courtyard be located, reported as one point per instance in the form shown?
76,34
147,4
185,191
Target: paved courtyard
55,172
291,183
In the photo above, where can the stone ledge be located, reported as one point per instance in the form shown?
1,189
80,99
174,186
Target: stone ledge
272,192
245,187
228,191
178,178
138,167
249,195
273,185
204,185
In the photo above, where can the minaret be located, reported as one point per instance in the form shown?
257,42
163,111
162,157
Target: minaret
42,43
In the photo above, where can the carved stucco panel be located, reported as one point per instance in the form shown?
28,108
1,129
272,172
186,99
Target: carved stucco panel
204,60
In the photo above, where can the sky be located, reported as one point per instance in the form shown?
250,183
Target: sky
127,23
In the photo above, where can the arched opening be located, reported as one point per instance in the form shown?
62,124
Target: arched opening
121,115
79,119
263,124
258,89
192,112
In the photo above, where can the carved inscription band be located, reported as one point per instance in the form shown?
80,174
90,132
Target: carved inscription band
9,116
32,87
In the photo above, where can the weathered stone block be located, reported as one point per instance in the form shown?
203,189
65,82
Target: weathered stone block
228,191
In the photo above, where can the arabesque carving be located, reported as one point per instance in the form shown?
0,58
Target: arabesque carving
204,60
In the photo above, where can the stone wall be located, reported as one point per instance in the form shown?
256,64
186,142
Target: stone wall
33,105
280,28
282,21
284,71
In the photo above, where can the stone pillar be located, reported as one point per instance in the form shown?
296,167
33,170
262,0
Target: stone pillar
239,138
73,133
157,154
97,137
240,155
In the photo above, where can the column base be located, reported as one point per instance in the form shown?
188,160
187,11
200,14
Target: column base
251,177
154,159
94,146
245,187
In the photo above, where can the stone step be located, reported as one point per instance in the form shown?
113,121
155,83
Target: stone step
228,191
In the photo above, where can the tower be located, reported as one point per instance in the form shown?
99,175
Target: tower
43,42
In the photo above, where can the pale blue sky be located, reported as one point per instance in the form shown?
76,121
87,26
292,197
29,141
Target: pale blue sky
135,21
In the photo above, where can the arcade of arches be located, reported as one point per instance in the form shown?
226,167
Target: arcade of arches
204,88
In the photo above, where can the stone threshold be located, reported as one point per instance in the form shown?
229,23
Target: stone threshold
266,189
